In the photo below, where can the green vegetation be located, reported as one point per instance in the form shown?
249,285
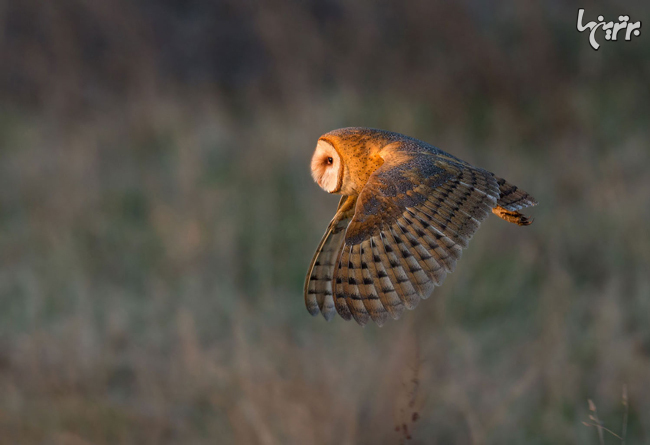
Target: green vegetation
156,223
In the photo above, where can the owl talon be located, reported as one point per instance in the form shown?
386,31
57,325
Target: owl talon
512,216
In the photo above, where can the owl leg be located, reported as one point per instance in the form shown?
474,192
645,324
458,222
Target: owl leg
512,216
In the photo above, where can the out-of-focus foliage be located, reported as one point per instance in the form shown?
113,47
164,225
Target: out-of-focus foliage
157,217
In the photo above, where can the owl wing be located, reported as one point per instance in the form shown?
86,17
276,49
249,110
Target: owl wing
511,197
411,221
318,285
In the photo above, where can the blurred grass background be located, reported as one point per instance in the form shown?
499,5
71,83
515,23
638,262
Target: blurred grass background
157,217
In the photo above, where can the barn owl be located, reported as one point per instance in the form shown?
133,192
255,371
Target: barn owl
406,212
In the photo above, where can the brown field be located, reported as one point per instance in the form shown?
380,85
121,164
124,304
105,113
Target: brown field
157,217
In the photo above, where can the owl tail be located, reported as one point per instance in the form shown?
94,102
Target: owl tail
511,199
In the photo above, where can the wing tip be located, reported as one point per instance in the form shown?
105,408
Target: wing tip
342,308
328,314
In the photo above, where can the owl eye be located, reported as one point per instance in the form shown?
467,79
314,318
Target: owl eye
330,160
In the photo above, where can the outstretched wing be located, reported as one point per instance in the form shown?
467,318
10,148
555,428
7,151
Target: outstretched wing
318,285
411,220
513,198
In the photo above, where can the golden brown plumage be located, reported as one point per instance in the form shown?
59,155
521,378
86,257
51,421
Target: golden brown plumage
407,211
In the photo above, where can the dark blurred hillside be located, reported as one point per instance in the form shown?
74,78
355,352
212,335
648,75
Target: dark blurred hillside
157,217
79,54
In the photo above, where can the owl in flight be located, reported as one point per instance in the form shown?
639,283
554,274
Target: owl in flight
406,212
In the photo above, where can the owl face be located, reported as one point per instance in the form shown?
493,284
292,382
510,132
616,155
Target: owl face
326,167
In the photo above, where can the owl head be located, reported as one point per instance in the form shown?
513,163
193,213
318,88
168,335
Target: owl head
345,158
326,167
